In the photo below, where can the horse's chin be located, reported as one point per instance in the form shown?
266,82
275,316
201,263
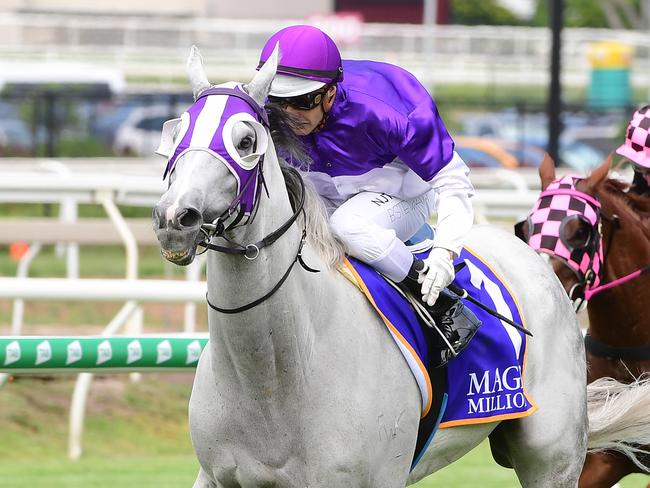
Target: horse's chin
178,247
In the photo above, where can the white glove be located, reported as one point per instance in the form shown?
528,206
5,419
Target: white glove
437,274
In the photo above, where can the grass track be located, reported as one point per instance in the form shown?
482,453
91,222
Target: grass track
167,471
136,436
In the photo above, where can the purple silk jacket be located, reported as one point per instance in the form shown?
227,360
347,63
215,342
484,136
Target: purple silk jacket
383,134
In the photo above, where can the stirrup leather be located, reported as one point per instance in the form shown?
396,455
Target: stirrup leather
454,324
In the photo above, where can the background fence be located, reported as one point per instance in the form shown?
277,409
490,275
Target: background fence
146,47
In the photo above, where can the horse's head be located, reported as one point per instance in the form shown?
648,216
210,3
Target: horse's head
215,151
565,225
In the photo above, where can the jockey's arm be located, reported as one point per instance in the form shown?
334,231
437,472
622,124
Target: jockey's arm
426,147
453,206
455,218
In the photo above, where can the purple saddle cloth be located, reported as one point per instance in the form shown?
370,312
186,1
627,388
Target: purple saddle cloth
485,382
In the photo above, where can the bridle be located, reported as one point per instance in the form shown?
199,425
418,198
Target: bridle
558,205
587,262
232,216
252,251
588,286
589,277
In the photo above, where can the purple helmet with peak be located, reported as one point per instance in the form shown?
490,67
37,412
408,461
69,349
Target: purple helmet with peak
309,59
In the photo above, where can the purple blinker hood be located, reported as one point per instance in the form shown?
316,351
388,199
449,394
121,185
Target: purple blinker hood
207,126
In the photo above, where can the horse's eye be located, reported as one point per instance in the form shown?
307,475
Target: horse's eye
245,143
581,236
582,232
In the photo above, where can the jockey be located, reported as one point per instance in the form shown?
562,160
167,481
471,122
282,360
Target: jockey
636,149
382,159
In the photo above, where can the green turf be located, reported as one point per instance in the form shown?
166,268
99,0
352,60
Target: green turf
136,436
94,261
478,469
92,472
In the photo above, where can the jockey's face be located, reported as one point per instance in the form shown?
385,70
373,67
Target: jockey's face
310,119
644,172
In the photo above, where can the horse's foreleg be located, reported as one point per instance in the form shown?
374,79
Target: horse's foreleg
604,469
202,481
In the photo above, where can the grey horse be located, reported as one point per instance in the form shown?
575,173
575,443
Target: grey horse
301,384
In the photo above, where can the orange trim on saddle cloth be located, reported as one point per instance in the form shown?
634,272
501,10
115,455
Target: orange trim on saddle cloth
361,285
507,416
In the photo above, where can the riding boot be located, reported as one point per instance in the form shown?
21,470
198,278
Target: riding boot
456,322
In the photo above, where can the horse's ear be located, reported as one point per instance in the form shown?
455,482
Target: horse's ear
598,175
260,85
196,73
546,171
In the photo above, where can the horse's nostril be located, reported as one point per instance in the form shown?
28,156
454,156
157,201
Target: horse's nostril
189,218
158,218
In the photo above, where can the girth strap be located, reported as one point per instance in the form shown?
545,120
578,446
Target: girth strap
639,353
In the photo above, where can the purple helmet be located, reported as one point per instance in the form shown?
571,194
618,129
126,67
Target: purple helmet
305,52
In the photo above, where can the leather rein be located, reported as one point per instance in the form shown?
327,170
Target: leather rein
600,349
252,251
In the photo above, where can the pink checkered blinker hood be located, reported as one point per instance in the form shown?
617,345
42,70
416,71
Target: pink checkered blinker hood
556,206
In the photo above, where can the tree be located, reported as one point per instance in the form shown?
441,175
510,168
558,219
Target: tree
481,12
591,13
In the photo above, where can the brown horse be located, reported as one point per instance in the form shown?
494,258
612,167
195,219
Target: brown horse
602,262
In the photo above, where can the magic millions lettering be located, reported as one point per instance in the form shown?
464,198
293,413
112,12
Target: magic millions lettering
495,390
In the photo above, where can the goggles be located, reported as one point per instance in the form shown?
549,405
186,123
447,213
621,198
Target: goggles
302,102
580,236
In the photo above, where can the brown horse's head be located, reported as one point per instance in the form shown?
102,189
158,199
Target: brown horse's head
565,227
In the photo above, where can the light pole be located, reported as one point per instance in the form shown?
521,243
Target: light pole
430,15
555,93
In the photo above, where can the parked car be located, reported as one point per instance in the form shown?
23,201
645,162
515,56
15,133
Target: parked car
484,152
109,118
139,134
528,155
15,135
15,138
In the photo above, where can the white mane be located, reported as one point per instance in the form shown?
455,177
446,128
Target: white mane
319,233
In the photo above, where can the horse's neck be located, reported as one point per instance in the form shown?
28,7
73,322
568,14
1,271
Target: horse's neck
619,316
270,343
